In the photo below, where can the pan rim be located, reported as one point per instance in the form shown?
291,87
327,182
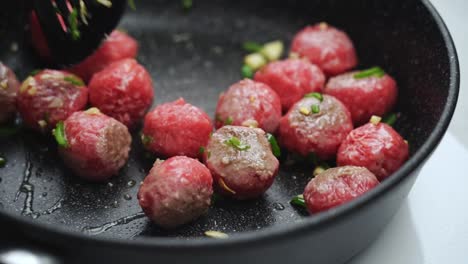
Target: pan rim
274,234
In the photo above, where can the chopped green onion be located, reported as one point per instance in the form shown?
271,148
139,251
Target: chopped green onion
319,96
216,234
274,145
298,201
315,108
228,121
73,22
187,4
273,50
236,143
59,133
131,4
146,140
201,150
371,72
255,61
251,46
247,72
74,80
106,3
390,119
83,12
34,72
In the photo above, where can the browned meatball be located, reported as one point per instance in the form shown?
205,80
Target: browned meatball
8,89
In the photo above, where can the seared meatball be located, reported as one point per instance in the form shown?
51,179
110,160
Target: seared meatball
328,47
176,191
249,103
117,46
315,125
9,86
49,97
96,146
241,161
364,97
123,90
337,186
176,128
291,79
378,147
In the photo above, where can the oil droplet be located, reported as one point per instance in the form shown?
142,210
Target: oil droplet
127,197
110,184
278,206
131,183
103,228
44,194
115,204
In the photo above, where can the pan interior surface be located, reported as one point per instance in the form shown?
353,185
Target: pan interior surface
197,54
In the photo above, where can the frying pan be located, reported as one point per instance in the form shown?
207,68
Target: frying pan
196,54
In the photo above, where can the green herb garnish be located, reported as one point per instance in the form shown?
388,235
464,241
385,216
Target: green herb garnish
34,72
390,119
73,22
236,143
251,46
187,4
316,95
59,134
228,121
146,140
201,150
131,4
2,162
74,80
315,108
247,72
298,201
274,145
371,72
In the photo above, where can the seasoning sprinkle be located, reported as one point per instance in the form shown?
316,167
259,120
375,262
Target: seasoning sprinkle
216,234
316,95
298,201
274,145
371,72
59,134
236,143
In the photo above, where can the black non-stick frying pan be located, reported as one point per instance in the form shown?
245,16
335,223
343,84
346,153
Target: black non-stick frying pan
196,54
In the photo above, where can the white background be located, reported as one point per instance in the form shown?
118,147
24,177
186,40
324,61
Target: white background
432,225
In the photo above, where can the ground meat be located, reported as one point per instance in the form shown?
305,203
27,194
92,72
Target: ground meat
379,148
176,128
9,87
249,103
305,132
117,46
176,191
291,79
331,49
50,96
364,97
123,90
241,161
98,145
337,186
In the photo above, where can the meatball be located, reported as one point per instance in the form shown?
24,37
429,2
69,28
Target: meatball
315,125
9,87
176,128
291,79
123,90
176,191
117,46
364,97
249,103
241,161
328,47
95,146
50,96
378,147
337,186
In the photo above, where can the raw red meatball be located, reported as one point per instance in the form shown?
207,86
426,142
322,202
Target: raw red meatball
97,145
123,90
337,186
328,47
378,147
38,39
117,46
176,191
249,103
176,128
364,97
291,79
9,87
241,161
50,96
303,131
